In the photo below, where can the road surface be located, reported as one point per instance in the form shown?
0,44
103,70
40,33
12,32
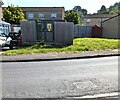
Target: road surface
63,78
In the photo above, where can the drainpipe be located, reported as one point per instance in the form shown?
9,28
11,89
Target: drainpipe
101,27
101,21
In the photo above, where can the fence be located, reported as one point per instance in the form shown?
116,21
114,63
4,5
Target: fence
82,31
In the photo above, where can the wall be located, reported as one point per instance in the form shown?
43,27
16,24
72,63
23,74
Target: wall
110,28
96,19
47,15
93,21
46,10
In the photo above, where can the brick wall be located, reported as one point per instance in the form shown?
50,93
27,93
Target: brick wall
93,21
46,10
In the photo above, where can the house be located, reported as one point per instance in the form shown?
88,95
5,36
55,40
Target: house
95,19
43,13
111,27
1,3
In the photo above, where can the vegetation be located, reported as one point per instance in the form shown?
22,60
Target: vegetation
115,8
112,9
79,44
80,10
72,16
103,10
13,14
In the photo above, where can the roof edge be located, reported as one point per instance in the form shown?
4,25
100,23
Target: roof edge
111,18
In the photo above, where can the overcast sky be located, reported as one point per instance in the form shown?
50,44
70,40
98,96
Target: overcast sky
91,5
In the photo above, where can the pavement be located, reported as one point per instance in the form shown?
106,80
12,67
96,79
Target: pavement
106,98
59,56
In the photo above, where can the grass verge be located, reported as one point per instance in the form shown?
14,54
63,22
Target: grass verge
79,44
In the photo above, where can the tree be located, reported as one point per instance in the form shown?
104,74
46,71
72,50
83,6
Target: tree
80,10
72,16
13,14
77,8
103,10
84,11
115,8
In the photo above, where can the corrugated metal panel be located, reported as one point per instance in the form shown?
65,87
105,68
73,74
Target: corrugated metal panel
64,33
28,30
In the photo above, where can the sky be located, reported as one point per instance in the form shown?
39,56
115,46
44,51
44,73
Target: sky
91,5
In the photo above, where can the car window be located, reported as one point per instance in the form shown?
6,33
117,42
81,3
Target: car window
16,35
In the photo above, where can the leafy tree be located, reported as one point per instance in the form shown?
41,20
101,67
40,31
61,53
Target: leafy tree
112,9
72,16
80,10
115,8
103,10
13,14
84,11
77,8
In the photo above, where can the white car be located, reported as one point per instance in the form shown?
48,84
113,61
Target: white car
5,41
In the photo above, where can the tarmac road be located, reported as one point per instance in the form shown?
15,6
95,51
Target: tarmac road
63,78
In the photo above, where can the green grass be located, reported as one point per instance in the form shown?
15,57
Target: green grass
79,44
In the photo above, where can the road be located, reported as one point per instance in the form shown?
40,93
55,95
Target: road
63,78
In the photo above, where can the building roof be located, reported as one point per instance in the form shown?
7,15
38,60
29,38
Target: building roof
42,9
99,15
118,15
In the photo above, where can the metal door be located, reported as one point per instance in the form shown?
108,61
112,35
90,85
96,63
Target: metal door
45,31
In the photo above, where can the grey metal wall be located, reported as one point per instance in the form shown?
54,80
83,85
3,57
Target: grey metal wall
28,30
82,31
63,33
111,28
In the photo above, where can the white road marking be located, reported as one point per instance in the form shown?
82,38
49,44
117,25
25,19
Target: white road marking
98,96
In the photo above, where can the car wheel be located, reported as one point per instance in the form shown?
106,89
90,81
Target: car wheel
11,45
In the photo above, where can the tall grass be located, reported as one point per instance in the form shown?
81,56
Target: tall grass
79,44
